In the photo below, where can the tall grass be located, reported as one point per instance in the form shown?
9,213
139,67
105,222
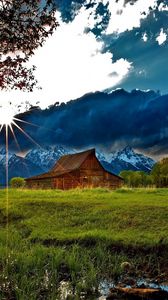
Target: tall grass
79,236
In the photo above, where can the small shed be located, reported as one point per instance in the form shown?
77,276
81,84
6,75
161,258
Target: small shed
76,170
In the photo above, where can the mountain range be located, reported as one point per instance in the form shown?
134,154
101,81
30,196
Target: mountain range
40,160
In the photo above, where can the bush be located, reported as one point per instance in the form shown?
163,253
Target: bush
17,182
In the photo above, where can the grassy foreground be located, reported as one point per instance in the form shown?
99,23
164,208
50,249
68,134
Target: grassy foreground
80,235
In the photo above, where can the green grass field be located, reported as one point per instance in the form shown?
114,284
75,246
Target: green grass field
82,235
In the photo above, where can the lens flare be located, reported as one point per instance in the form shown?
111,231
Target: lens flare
6,115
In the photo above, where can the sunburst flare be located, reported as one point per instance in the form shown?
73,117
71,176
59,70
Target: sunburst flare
6,115
7,123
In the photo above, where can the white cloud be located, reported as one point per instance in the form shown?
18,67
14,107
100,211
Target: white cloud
145,37
71,64
163,7
162,37
131,15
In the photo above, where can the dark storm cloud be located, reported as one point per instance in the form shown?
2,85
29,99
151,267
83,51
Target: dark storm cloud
120,118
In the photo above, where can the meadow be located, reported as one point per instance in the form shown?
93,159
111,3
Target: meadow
83,236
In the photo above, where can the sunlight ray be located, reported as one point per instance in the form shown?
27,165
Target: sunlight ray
1,127
26,134
14,136
16,119
7,157
18,146
22,121
35,125
7,191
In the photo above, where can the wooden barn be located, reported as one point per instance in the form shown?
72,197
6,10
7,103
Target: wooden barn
76,170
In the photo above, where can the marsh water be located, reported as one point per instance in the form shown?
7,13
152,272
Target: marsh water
66,292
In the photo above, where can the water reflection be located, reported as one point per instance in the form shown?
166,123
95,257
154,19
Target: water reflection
66,292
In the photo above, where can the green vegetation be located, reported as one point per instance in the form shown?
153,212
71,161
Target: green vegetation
160,173
83,236
17,182
158,176
137,179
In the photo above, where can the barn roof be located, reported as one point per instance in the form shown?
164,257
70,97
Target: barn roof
71,162
67,164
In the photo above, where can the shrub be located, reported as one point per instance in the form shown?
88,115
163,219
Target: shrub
17,182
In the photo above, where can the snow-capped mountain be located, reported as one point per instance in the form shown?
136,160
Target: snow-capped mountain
128,159
3,156
101,156
40,160
46,157
17,167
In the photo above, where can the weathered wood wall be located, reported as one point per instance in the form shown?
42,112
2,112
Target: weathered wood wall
67,181
40,183
90,174
93,174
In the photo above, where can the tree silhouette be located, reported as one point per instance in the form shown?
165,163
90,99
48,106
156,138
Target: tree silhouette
24,26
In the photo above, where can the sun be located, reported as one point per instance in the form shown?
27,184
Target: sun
6,116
